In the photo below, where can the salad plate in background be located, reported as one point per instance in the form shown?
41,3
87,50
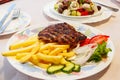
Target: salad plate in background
21,22
103,14
76,8
88,69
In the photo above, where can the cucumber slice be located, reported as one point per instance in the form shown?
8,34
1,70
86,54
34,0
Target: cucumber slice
77,68
68,67
54,68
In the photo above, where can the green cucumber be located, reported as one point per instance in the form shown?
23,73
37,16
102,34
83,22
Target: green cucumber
68,67
77,68
54,69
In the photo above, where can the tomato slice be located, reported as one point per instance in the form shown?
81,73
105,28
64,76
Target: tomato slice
99,39
84,13
85,42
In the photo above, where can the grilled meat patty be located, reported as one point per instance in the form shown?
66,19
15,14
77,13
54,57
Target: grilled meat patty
61,33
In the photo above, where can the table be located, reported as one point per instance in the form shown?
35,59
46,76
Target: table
34,8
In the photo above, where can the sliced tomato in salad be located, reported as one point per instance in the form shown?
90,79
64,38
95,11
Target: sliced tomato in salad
99,39
84,13
81,9
96,39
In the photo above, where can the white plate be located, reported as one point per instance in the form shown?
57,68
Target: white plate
104,14
72,17
39,73
21,22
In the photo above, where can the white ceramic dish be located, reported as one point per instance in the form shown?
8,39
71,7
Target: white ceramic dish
39,73
72,17
103,15
21,22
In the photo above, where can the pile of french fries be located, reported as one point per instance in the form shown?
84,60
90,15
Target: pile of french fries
38,52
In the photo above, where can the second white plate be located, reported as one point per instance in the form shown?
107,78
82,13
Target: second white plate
72,17
21,22
105,14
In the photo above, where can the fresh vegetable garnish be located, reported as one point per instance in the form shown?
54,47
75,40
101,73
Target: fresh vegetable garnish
85,42
100,52
94,49
99,39
67,68
54,69
95,39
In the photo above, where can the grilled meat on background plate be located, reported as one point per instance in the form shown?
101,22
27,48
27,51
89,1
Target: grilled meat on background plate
61,33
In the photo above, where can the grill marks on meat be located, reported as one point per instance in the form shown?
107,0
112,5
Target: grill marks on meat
61,33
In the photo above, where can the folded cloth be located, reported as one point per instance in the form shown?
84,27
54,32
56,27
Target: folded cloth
4,1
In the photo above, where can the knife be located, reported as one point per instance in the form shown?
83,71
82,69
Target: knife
9,10
109,7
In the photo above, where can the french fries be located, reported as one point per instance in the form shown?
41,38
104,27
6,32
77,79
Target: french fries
16,51
39,63
56,51
67,54
49,59
27,57
20,55
26,43
39,53
22,44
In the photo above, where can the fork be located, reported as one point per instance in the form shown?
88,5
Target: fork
14,16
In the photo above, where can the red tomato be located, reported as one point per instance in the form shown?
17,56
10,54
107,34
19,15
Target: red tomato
80,9
85,42
99,39
84,13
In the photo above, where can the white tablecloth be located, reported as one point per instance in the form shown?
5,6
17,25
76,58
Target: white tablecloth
34,8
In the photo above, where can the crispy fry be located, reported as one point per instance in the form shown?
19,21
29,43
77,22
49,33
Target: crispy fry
22,44
20,55
67,54
56,51
63,61
43,65
31,40
27,57
46,46
36,61
61,46
48,58
14,52
46,52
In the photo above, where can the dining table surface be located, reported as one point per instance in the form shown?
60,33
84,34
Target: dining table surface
34,8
